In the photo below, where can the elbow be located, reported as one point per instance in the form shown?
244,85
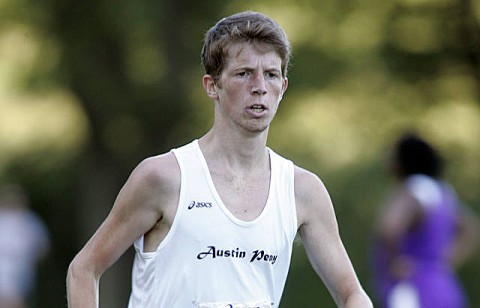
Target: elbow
73,270
357,298
82,284
79,272
72,281
74,273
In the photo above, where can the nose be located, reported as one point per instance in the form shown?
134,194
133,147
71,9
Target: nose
259,84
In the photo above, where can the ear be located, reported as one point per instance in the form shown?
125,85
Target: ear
210,86
284,86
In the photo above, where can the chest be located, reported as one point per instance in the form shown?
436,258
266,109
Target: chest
244,197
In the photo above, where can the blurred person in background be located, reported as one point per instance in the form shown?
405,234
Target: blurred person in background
423,233
24,242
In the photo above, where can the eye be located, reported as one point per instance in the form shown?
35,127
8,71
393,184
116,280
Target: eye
243,73
272,75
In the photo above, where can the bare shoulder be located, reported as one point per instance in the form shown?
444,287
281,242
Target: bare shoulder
311,195
153,185
159,172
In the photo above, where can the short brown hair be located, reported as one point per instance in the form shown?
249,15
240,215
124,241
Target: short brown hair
243,27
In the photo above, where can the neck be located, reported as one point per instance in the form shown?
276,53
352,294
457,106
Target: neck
240,153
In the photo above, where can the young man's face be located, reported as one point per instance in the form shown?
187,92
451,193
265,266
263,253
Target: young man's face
250,87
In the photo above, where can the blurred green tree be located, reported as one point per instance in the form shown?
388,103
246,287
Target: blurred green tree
90,88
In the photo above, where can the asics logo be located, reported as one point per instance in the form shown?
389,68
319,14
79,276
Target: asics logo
197,204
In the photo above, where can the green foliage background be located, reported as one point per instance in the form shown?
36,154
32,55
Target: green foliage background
89,88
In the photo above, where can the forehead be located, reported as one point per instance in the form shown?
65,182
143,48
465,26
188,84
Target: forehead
246,53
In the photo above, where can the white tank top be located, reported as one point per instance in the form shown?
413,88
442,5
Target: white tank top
210,258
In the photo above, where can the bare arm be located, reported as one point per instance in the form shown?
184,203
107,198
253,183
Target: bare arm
320,236
145,201
468,238
400,214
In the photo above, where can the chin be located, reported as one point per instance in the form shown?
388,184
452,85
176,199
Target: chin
258,129
257,126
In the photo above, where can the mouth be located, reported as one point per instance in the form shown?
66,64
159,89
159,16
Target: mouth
258,108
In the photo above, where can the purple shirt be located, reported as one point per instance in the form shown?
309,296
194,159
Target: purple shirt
426,247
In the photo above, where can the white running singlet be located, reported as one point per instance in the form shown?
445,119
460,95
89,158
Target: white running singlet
210,258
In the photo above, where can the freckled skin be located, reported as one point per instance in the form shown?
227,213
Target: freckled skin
252,77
